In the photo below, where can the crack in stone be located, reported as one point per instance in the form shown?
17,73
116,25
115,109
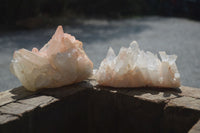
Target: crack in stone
15,100
8,103
193,97
17,115
38,106
25,103
51,100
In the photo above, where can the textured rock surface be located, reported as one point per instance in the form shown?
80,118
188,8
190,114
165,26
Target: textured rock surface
190,92
184,111
62,61
195,128
51,110
13,95
97,109
133,67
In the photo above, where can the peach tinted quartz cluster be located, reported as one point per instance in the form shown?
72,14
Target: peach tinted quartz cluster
136,68
62,61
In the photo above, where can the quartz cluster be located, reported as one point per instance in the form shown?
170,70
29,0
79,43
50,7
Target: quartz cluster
60,62
136,68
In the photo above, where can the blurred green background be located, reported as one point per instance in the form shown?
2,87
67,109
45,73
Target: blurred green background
36,13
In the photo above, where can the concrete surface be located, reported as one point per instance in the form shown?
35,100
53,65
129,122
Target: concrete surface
173,35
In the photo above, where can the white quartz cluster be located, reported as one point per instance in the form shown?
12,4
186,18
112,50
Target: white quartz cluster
136,68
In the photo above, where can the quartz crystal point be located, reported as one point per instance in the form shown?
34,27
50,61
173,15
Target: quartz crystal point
136,68
62,61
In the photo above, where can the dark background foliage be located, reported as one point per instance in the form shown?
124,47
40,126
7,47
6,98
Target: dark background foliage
14,12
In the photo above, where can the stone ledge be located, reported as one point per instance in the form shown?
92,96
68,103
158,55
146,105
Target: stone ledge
6,118
195,128
190,92
44,111
13,95
93,109
180,114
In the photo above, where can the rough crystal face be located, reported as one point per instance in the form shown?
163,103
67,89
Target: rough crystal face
61,61
136,68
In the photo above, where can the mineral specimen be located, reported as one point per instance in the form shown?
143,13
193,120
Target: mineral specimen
62,61
136,68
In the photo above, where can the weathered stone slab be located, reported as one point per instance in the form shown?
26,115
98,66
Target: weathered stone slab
5,118
195,128
13,124
65,91
155,95
68,114
190,92
102,112
87,107
185,102
184,111
56,116
151,110
16,108
118,110
38,100
134,114
13,95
